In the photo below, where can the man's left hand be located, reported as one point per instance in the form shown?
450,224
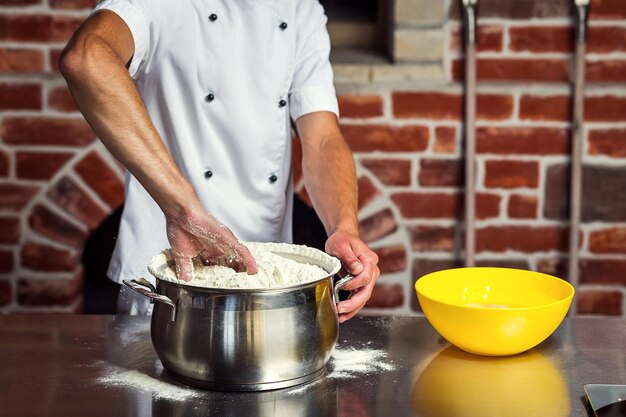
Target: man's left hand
358,260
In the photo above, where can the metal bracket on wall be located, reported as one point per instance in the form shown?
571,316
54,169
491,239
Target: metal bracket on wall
470,9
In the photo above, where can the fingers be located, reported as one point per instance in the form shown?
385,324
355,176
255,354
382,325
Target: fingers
349,308
247,264
184,268
351,262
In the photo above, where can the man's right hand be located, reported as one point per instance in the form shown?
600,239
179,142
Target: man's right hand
195,233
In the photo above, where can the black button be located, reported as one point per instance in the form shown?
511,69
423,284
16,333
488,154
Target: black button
282,103
283,26
208,174
273,178
213,17
210,97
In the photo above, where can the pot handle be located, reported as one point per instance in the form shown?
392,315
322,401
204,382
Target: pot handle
143,287
339,284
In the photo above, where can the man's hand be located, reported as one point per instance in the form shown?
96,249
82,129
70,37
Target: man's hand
358,260
196,233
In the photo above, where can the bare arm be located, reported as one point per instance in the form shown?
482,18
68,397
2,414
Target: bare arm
94,66
330,179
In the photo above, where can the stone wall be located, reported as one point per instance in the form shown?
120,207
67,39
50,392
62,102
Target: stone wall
404,123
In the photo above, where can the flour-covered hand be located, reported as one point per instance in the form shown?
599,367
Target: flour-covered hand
358,260
197,234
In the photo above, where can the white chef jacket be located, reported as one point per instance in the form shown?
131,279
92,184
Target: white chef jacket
220,80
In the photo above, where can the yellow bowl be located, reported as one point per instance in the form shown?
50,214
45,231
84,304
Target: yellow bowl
494,311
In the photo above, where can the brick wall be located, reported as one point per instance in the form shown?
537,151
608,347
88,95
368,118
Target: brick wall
404,124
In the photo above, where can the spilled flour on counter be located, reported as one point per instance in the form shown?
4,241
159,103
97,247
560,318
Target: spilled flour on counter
116,376
348,363
275,271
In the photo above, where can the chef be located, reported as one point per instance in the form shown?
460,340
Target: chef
197,99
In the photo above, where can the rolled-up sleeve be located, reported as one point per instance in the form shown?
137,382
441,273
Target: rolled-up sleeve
139,27
312,87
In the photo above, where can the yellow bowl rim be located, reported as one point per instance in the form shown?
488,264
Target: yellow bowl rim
568,298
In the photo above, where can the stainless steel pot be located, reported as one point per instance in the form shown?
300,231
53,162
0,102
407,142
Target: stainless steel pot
242,339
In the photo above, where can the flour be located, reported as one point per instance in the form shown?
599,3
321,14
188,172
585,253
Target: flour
351,363
136,379
276,268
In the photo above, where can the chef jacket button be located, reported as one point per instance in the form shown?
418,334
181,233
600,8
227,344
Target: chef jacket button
273,178
208,174
282,103
213,17
283,26
210,97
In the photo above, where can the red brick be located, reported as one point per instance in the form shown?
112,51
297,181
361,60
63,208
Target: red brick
5,162
40,257
432,238
607,9
102,179
391,259
603,39
367,192
517,9
39,165
9,230
546,108
386,296
511,174
541,38
377,226
603,193
73,4
523,140
20,2
603,272
6,261
611,240
20,60
427,205
606,303
15,197
360,106
69,196
6,293
488,39
390,171
60,99
441,173
54,55
521,238
553,266
487,205
445,139
46,131
38,28
516,69
606,71
20,97
556,194
503,263
296,160
610,142
49,292
370,138
605,109
443,206
523,206
47,223
441,106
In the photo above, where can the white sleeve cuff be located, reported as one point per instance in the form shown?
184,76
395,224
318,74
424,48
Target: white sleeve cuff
307,100
138,25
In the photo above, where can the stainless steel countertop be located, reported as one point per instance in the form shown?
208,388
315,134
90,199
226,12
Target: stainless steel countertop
50,365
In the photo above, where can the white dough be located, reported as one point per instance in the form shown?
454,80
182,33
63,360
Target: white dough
276,269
